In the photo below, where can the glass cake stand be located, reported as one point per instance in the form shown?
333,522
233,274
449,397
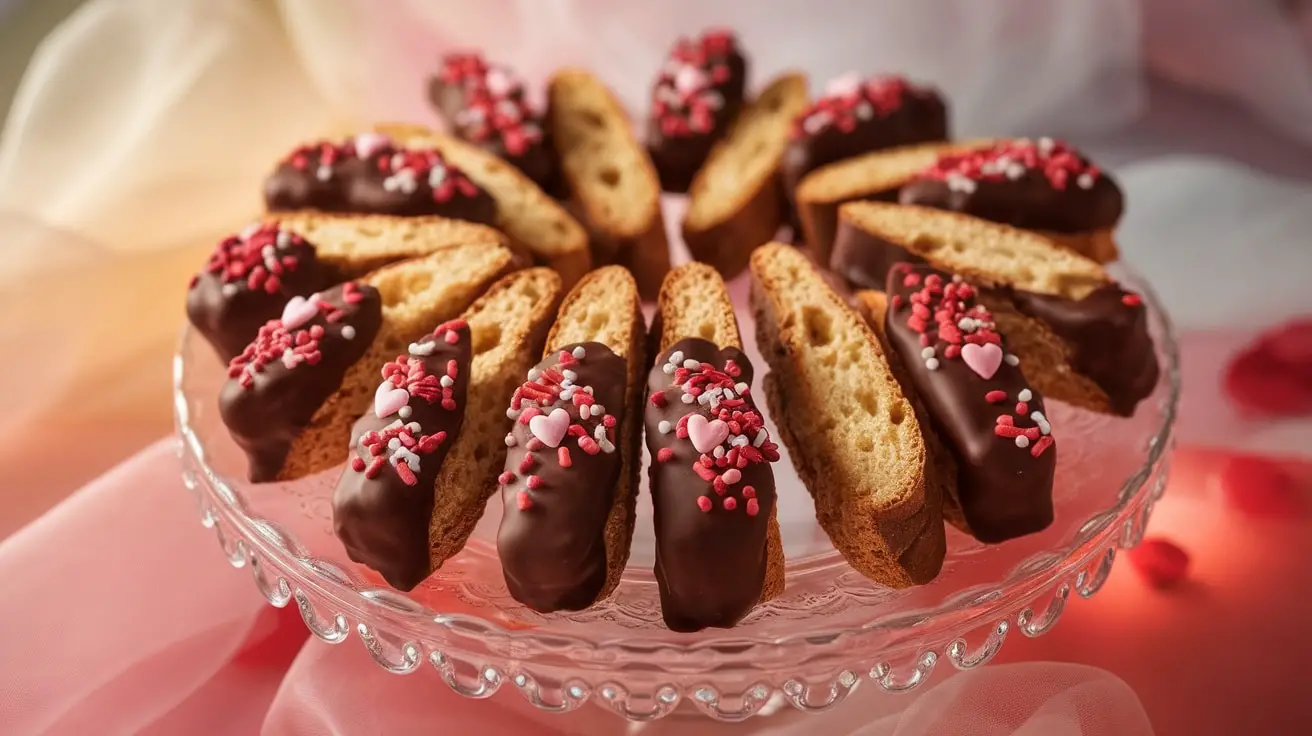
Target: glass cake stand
831,631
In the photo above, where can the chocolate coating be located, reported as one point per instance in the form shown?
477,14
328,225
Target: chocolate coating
388,180
1004,490
1107,332
552,539
919,117
864,259
381,514
710,565
247,281
265,403
1030,200
698,92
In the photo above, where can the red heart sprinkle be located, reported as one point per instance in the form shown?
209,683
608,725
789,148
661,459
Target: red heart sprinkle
1161,562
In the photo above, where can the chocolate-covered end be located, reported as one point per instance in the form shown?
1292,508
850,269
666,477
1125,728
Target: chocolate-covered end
295,363
246,282
711,483
864,259
383,502
562,469
1107,332
486,105
698,92
1033,184
978,401
372,174
858,116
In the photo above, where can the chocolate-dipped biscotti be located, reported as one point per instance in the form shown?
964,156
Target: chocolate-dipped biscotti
856,116
570,480
294,391
425,455
533,220
1081,338
697,93
718,551
953,357
250,275
610,177
735,202
851,432
486,105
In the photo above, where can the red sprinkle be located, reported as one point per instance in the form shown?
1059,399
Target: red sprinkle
1022,408
534,482
704,503
664,455
658,399
562,456
1161,562
523,501
753,507
452,338
1057,162
730,503
506,478
1042,444
995,397
1132,300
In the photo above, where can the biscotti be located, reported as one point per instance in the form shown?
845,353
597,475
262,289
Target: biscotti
486,105
977,399
735,202
855,116
852,434
425,456
535,222
294,391
697,94
610,177
569,483
878,175
1081,338
712,485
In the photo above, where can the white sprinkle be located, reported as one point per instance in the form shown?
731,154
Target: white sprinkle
579,352
393,444
512,414
741,388
1038,416
932,364
1045,145
283,239
1015,171
967,324
414,427
718,452
927,352
738,440
348,332
268,252
394,424
664,427
567,394
510,440
1084,181
705,398
1024,395
676,356
1022,442
688,398
229,289
569,375
865,111
360,442
324,173
422,348
668,369
390,184
249,231
691,364
1011,359
534,374
447,382
404,412
761,437
728,394
713,99
587,389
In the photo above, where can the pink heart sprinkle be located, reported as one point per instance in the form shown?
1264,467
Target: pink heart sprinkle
983,359
367,144
706,435
389,399
299,310
550,428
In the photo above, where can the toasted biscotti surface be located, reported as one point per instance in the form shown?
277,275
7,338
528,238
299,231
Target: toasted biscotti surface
878,171
853,436
747,159
417,296
605,307
608,170
526,213
985,252
695,303
356,244
508,326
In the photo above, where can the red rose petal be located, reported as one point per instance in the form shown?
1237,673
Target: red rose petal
1291,344
1260,487
1161,562
1259,383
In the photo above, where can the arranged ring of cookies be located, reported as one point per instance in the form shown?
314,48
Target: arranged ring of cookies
421,310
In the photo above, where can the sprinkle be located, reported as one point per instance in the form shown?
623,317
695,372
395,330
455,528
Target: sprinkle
1025,395
1044,443
688,398
1011,359
932,364
1022,408
562,456
753,507
534,482
506,478
1010,160
526,464
995,397
1132,300
1162,563
741,388
927,353
523,501
691,364
704,503
1022,441
730,503
658,399
731,476
664,455
511,441
404,412
579,352
348,332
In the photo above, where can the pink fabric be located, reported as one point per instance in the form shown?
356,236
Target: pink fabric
122,617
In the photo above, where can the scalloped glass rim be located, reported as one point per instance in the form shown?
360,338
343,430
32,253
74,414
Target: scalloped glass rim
971,608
